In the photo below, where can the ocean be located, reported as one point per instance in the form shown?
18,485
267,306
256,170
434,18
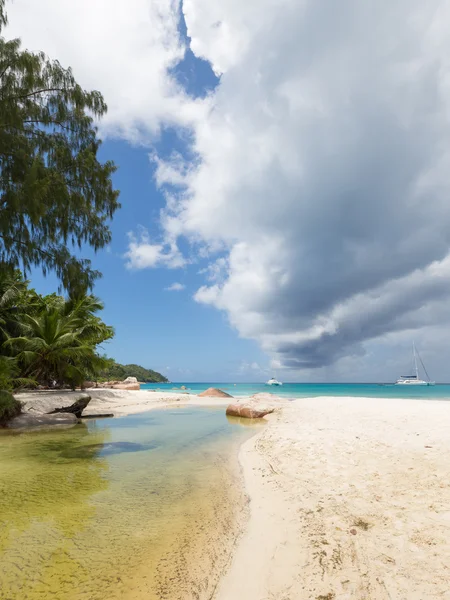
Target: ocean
305,390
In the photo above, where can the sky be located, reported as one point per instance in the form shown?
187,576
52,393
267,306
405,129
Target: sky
283,167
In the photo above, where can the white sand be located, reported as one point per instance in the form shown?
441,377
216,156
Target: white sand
125,402
323,471
116,402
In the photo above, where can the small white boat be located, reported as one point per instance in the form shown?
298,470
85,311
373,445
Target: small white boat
415,379
273,381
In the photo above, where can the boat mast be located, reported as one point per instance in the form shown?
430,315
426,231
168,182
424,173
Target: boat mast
415,361
423,366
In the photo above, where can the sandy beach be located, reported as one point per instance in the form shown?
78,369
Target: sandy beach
117,402
123,402
349,498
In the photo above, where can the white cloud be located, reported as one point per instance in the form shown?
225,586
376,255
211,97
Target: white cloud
321,175
143,254
124,49
176,287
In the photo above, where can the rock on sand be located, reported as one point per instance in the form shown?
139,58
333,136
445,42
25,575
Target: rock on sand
214,393
251,409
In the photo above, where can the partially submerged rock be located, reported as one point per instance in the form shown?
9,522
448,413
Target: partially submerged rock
36,421
48,401
42,410
250,409
214,393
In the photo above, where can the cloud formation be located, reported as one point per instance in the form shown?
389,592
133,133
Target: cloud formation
125,49
142,253
322,183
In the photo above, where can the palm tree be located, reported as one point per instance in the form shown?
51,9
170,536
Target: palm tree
83,309
12,292
58,345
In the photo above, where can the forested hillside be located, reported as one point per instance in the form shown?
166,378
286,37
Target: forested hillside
115,371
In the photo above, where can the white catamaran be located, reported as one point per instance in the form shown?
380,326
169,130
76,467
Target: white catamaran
273,381
414,379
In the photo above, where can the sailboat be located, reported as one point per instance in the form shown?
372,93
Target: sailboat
415,379
273,381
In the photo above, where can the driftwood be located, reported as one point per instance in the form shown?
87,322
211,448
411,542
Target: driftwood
76,408
99,416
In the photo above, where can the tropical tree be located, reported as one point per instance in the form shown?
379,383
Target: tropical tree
58,346
16,299
55,194
83,309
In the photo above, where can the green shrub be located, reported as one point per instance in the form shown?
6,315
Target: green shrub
9,407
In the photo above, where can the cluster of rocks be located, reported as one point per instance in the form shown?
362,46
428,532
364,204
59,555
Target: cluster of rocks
130,384
40,411
61,408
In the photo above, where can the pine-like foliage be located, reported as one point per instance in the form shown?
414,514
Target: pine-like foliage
55,195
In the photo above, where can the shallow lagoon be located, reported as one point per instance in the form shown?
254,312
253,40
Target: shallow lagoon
136,507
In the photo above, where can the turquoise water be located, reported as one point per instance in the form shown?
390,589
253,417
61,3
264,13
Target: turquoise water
305,390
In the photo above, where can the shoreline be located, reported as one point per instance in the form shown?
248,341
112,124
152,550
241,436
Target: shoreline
119,402
348,499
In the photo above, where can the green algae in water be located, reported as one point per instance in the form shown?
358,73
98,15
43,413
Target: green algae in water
116,509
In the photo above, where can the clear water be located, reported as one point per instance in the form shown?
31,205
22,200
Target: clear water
119,508
305,390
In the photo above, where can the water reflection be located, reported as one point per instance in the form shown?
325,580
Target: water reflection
246,422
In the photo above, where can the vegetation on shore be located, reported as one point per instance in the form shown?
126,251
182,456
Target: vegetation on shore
48,340
9,407
115,371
